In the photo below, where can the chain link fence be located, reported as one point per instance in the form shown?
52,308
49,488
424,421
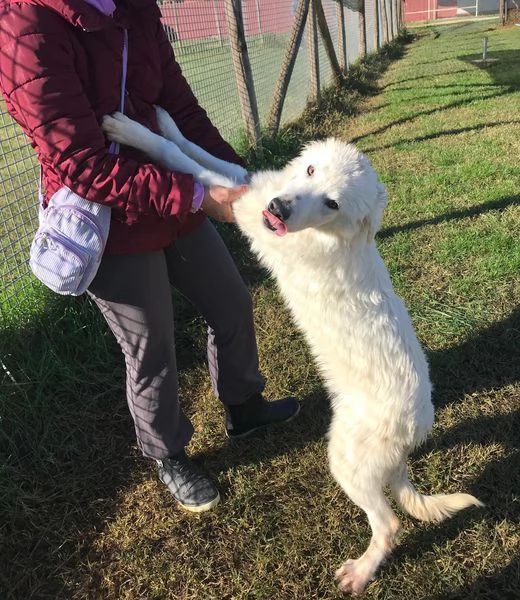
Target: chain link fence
200,34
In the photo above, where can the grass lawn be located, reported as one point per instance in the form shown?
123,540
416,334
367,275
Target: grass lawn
83,516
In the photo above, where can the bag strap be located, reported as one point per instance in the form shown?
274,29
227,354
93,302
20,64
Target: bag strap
114,146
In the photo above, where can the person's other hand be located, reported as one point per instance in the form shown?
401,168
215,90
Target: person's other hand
218,201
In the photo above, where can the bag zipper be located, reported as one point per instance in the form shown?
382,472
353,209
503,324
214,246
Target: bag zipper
67,243
85,214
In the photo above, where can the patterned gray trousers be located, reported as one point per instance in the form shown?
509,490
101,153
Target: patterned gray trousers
133,292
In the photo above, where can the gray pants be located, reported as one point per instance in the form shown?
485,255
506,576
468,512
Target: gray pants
133,293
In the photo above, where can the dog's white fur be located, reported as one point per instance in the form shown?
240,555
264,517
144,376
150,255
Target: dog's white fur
337,287
172,150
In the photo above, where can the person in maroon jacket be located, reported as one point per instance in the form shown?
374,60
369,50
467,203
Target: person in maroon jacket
60,72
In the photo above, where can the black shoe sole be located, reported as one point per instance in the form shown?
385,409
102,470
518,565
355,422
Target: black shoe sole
244,434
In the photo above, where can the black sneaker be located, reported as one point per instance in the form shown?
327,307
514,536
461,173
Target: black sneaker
192,488
256,412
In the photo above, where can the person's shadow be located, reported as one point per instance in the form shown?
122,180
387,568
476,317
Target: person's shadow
67,447
488,361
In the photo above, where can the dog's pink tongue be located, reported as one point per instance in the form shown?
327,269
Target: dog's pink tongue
279,226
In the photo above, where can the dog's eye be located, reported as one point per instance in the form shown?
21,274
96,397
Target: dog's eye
310,170
332,204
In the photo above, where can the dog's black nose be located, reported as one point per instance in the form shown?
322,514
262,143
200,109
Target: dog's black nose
279,208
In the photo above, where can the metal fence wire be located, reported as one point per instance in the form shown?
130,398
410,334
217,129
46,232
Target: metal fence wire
200,33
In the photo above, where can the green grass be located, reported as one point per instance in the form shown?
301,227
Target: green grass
83,516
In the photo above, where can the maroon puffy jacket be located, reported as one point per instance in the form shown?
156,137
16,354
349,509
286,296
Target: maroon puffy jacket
60,72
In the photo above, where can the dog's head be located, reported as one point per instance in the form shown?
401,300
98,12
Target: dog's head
330,186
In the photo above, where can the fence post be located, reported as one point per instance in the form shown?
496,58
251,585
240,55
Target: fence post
291,50
327,40
259,20
502,11
384,19
377,20
243,73
312,53
342,42
362,34
390,19
217,22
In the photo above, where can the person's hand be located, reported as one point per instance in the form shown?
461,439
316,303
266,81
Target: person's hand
218,201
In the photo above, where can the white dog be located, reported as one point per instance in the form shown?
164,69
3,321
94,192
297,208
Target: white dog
313,225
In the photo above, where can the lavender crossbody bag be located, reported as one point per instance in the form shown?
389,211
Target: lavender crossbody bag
69,243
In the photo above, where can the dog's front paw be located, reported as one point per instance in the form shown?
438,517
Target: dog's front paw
119,128
352,578
114,128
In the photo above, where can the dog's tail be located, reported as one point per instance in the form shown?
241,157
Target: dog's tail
427,508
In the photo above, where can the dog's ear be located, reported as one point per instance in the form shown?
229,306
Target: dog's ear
371,223
382,197
368,229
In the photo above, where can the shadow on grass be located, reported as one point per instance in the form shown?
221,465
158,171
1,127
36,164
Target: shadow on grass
497,487
66,445
487,361
502,66
432,111
505,77
504,585
439,134
455,215
429,76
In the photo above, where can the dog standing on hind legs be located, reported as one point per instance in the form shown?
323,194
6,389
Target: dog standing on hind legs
313,224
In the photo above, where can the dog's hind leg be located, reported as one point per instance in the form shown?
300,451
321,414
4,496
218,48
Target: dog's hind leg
122,129
364,486
171,132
